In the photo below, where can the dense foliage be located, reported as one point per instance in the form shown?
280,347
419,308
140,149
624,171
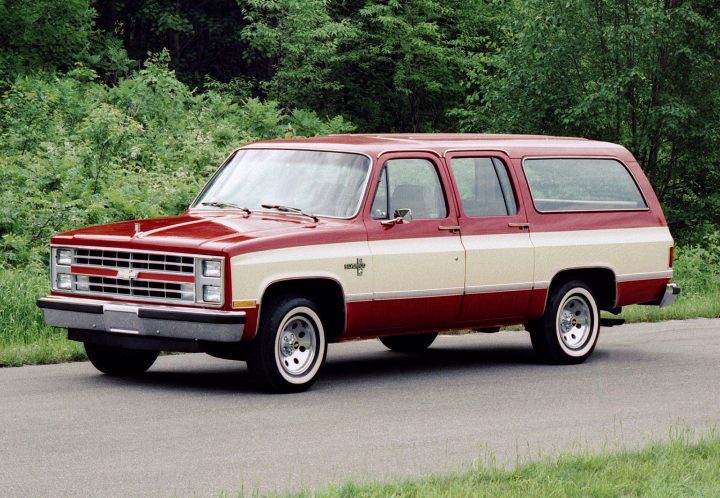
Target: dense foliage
116,109
76,152
645,74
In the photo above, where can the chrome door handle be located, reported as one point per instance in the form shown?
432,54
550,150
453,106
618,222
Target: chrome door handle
522,226
452,228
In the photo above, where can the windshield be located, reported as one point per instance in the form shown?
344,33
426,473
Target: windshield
320,183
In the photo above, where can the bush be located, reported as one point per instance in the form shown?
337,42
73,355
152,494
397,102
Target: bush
76,152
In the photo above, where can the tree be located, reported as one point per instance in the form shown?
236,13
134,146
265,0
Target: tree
203,37
296,41
644,74
42,35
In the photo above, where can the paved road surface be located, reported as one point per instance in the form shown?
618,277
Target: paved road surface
192,426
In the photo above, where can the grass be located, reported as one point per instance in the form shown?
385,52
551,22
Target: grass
680,467
26,340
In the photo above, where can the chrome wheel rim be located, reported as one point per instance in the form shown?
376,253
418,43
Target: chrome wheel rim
296,345
575,322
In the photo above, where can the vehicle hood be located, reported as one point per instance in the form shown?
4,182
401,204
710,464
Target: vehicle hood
216,232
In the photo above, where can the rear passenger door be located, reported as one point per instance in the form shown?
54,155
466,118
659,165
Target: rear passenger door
419,266
495,234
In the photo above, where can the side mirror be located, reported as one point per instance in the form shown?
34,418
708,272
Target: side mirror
403,215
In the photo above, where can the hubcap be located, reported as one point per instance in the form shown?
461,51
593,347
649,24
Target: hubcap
574,322
296,345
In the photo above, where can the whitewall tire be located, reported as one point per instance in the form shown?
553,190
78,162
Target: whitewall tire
569,329
290,349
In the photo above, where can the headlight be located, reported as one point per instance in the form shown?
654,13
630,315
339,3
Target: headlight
64,256
64,281
212,268
212,294
82,283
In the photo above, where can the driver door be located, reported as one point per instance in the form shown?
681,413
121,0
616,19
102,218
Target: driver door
419,263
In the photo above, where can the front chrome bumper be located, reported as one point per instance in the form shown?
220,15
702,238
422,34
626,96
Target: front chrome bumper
672,291
143,320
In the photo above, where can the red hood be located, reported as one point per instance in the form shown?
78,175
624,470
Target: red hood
214,233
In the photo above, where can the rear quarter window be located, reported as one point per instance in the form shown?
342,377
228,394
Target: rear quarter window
581,184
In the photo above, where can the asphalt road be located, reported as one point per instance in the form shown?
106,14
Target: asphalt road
193,426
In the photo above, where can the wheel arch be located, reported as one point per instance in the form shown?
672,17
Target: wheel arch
326,292
601,280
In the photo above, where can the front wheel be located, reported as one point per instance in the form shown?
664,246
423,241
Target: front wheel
290,348
568,331
409,343
120,361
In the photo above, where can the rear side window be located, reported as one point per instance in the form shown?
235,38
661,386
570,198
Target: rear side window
484,186
582,185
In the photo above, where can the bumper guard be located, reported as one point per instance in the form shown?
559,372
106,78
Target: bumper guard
672,291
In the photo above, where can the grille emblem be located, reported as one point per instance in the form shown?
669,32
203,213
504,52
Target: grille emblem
127,274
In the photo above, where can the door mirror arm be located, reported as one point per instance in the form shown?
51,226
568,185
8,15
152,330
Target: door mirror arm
393,221
403,215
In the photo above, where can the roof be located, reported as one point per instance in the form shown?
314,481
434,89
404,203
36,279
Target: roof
441,143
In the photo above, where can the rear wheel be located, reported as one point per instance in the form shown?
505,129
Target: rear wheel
568,331
290,348
120,361
409,343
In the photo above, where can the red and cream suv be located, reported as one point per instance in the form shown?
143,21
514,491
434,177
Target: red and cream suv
296,243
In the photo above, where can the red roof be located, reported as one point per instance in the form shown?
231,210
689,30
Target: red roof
441,143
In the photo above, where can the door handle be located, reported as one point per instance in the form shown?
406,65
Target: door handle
521,226
452,228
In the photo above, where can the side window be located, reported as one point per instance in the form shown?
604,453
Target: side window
409,183
582,184
484,186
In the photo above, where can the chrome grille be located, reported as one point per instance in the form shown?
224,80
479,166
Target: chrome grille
134,260
135,288
123,273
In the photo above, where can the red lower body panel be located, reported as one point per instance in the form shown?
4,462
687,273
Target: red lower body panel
411,313
426,314
493,306
640,291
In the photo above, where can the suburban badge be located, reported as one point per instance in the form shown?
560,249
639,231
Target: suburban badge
359,266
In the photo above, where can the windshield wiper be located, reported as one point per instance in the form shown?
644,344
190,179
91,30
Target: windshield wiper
288,209
223,204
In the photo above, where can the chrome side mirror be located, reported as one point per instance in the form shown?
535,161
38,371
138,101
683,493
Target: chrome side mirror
403,215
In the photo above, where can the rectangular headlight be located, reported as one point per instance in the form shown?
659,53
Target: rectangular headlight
64,281
83,283
212,294
64,257
212,268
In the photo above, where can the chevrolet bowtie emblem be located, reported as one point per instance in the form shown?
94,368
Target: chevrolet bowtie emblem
127,274
359,266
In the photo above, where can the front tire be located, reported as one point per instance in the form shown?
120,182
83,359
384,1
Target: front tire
290,348
569,329
119,361
409,343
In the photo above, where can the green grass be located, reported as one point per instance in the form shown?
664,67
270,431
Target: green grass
681,467
26,340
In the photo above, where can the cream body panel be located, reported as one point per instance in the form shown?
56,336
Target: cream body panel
631,253
418,267
499,262
436,266
252,273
